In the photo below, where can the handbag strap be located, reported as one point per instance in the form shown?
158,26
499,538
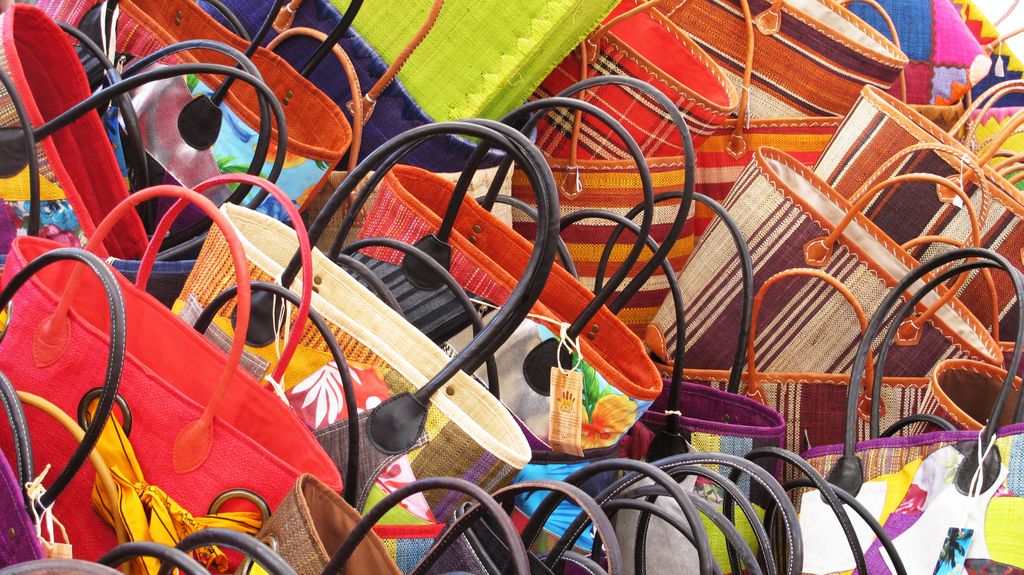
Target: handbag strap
475,321
355,105
817,252
518,559
265,304
20,153
847,473
754,389
51,337
241,542
980,106
205,318
19,430
636,470
193,444
104,478
394,425
506,496
168,556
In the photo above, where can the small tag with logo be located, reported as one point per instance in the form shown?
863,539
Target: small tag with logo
566,411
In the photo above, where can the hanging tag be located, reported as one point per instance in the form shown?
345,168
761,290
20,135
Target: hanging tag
565,413
954,551
56,550
1000,70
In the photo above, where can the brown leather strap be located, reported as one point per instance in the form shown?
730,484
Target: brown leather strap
985,273
355,105
892,32
754,388
973,114
286,16
106,480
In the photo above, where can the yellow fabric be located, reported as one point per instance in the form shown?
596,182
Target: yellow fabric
149,514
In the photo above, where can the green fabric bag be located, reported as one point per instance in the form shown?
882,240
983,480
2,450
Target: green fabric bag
490,60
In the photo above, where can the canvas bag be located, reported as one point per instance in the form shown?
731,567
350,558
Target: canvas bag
264,429
318,132
79,179
777,195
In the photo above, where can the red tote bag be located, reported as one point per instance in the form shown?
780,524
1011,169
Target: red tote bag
200,424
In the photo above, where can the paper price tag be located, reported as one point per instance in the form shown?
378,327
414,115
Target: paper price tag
566,411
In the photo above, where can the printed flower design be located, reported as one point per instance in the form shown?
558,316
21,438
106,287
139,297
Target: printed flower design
399,474
324,390
611,417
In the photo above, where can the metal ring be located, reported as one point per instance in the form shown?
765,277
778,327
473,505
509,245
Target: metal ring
95,393
243,494
270,541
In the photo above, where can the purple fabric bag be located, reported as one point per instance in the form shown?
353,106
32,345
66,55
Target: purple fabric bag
18,541
395,110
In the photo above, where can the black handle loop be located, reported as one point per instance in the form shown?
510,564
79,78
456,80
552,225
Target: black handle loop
515,203
689,181
746,269
792,540
926,418
328,44
169,557
134,148
115,359
241,542
233,22
865,516
518,559
19,430
16,159
848,471
439,240
824,487
395,424
645,507
208,114
476,322
636,470
205,318
370,280
62,566
559,489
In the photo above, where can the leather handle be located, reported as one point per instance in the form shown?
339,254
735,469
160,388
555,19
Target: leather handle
636,470
241,542
746,270
352,412
1005,133
476,322
103,475
754,389
985,273
339,30
305,255
740,466
527,210
848,472
980,106
355,105
58,330
398,411
892,32
14,158
193,443
817,252
168,556
518,559
19,431
507,495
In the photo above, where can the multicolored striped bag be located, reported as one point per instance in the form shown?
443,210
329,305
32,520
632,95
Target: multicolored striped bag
808,57
945,58
79,178
872,144
783,209
318,132
586,157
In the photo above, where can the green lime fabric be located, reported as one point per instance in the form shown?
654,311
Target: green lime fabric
478,63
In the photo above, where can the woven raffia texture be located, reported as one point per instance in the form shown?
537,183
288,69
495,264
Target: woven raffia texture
474,62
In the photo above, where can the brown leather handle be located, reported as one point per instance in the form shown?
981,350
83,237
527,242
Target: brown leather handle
985,272
754,389
817,252
892,32
356,103
1009,129
103,475
971,118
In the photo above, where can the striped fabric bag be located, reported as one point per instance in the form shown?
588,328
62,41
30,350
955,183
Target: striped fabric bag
587,159
869,146
781,206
